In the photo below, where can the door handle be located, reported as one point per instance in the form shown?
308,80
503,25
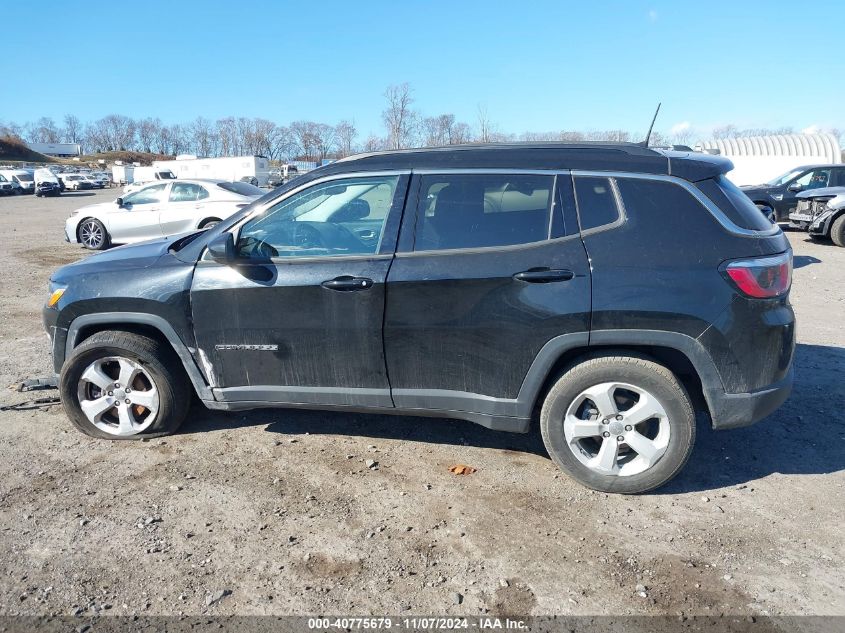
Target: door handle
544,275
346,283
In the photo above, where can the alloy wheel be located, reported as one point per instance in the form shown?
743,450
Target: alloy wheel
91,235
118,396
617,429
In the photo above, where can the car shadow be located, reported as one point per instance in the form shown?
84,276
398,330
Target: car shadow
719,459
803,437
799,261
77,194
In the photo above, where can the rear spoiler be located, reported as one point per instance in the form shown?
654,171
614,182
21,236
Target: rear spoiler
695,166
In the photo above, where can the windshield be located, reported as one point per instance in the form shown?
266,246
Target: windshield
25,177
780,180
241,188
166,175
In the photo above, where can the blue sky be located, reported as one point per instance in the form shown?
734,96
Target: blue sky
544,65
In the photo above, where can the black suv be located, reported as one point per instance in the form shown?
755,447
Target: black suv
605,290
779,194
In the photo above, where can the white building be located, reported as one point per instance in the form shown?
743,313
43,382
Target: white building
758,159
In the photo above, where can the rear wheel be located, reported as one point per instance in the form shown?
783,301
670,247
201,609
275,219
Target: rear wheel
92,234
837,231
618,424
118,385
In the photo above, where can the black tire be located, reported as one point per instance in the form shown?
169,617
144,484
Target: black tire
637,371
157,359
208,223
99,246
837,231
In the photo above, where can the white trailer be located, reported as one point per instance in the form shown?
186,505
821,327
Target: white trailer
225,168
56,149
122,174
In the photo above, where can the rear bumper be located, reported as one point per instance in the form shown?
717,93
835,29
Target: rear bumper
733,410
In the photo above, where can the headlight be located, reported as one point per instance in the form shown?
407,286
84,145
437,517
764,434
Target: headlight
56,293
777,196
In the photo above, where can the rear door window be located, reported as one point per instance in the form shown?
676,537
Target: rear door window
597,202
187,192
482,210
734,204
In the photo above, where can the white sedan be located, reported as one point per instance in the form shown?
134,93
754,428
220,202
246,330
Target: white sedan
158,210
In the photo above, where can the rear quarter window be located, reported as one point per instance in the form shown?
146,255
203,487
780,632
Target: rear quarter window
734,204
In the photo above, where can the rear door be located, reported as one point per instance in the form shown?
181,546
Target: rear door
184,208
490,268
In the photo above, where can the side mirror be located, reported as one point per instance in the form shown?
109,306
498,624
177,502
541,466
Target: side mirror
795,187
119,202
222,248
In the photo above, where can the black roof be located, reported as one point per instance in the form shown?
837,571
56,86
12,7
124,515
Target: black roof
595,156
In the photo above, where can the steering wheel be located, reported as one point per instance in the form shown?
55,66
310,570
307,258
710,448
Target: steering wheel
306,236
254,248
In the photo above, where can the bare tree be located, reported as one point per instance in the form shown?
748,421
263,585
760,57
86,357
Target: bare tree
148,132
398,116
227,135
725,131
282,145
437,130
201,135
460,134
485,126
73,129
45,131
571,136
375,144
306,136
345,134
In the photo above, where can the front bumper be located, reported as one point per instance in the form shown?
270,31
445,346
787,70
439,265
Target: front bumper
734,410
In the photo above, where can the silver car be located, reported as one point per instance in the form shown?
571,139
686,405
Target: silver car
158,210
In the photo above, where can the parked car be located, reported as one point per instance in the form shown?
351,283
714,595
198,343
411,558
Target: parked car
47,188
608,286
821,212
779,194
159,209
97,182
6,188
250,180
22,177
76,182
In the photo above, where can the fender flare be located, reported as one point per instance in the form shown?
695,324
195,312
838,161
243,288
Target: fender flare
139,318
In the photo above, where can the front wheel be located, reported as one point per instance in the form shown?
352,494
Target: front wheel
118,385
837,231
92,234
620,424
208,223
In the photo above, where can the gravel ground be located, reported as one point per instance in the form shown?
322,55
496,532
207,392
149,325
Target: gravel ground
277,512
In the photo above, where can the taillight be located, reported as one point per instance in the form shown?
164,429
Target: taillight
762,277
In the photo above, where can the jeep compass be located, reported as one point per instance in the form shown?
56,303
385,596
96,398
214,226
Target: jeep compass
602,292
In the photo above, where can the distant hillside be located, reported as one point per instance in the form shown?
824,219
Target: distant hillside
14,149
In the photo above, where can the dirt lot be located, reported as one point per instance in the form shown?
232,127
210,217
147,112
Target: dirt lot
277,509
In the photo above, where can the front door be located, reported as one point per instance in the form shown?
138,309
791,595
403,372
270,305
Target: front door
298,319
489,270
137,219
